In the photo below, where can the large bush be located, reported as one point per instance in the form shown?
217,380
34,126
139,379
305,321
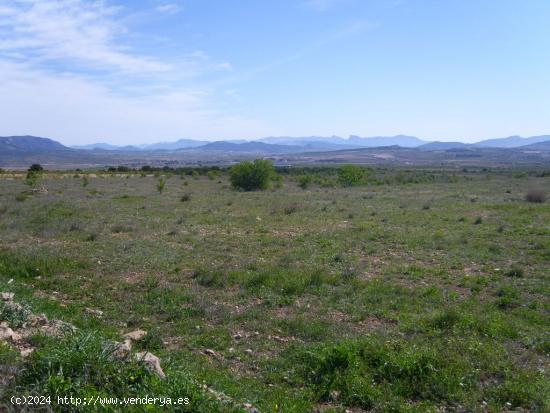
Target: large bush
251,176
35,167
350,175
536,195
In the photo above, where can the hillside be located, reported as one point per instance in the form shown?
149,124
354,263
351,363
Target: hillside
442,146
511,141
541,146
29,144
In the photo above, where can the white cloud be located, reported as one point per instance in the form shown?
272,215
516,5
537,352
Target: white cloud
84,32
320,5
77,110
70,75
168,8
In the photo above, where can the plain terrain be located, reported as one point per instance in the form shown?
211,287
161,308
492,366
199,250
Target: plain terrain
424,290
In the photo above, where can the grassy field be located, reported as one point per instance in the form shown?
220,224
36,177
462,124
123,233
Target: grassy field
420,291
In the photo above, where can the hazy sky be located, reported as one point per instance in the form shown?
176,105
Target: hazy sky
137,71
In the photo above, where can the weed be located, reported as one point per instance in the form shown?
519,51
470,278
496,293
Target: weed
515,271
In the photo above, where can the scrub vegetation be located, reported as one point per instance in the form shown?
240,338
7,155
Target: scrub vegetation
333,289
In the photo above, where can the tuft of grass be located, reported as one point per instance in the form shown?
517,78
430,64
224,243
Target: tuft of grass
82,365
15,314
290,209
118,229
515,271
507,297
33,264
370,374
21,197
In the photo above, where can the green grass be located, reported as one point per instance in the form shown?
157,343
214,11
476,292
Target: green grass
418,290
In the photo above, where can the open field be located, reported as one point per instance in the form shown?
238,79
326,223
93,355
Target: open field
424,290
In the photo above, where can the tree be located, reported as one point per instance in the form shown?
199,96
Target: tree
35,167
161,184
350,175
305,181
251,176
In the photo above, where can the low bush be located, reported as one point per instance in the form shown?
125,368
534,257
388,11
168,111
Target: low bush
350,175
536,196
305,181
251,176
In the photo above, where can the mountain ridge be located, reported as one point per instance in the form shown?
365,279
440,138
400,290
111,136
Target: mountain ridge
34,144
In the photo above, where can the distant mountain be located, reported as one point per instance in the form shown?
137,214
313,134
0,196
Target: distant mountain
352,141
179,144
304,140
380,141
443,146
511,141
540,146
22,151
104,146
29,144
249,147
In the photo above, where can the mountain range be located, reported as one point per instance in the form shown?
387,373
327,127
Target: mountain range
19,151
279,144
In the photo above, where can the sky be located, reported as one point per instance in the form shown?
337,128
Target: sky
142,71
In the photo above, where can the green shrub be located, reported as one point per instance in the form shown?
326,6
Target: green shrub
161,184
350,175
32,178
515,271
35,167
14,313
251,176
508,297
535,196
305,181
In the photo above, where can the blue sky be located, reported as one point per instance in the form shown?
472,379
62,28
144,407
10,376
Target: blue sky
131,72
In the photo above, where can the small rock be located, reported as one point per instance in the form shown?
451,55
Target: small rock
122,349
334,395
249,408
210,352
238,336
248,351
7,297
135,335
93,311
7,334
26,352
57,328
38,320
152,362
